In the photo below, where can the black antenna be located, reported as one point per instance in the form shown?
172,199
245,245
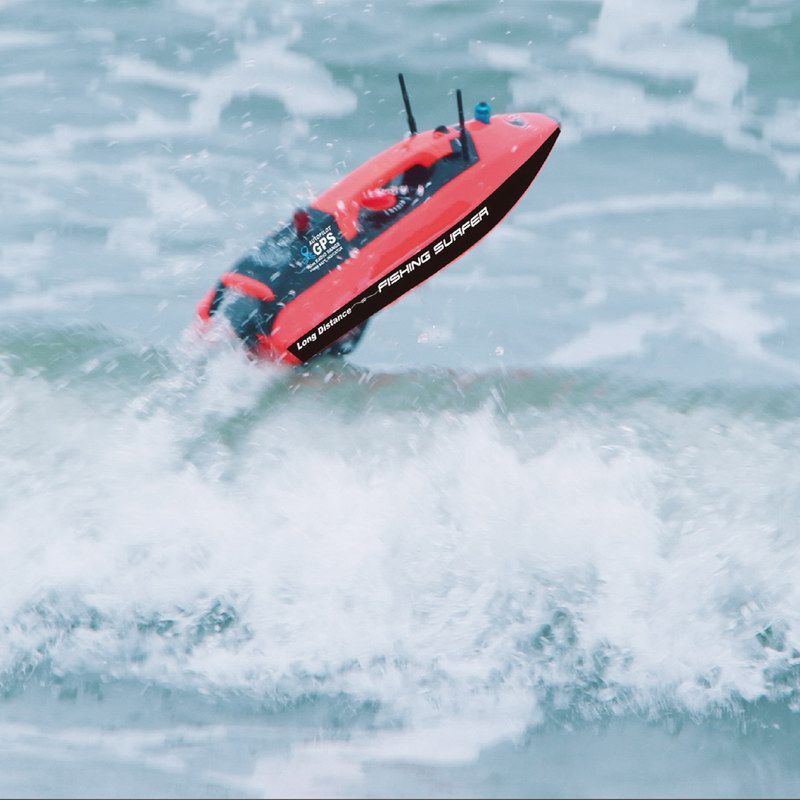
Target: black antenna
464,152
412,125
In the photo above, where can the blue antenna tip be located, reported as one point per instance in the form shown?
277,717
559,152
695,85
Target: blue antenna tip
483,112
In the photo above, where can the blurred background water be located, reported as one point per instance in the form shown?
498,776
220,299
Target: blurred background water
539,536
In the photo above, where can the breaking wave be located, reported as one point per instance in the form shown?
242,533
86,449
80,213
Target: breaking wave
425,543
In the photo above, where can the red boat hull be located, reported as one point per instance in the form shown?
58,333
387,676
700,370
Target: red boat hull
510,151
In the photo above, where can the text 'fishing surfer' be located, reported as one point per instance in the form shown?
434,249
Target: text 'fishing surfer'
408,268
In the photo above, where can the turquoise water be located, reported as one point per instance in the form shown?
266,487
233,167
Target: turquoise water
538,536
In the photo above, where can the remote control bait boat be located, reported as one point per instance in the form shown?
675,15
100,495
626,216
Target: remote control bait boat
392,223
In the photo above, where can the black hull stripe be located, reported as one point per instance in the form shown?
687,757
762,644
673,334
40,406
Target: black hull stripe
425,263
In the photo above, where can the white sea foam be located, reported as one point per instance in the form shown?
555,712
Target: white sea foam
303,86
21,79
624,337
18,259
655,39
631,45
21,39
461,564
702,308
720,197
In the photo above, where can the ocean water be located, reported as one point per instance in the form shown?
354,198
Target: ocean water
538,536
